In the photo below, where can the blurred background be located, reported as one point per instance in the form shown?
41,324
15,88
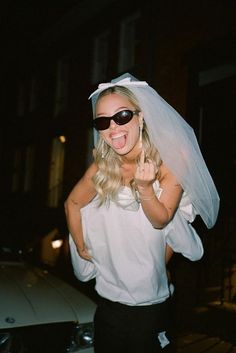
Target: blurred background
53,55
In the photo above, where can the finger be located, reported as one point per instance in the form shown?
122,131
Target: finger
141,161
86,255
142,158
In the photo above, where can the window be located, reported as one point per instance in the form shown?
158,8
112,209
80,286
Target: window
56,172
29,168
33,99
61,87
17,164
128,42
100,58
21,99
215,74
23,167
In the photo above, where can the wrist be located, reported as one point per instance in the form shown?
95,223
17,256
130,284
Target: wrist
145,194
147,198
145,191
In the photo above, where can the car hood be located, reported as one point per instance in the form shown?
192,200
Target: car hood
32,296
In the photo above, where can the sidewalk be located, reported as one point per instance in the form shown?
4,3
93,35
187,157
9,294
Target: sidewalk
208,329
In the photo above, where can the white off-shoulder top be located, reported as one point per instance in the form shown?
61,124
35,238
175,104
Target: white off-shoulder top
128,253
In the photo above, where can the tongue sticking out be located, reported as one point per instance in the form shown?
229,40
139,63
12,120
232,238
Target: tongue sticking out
119,142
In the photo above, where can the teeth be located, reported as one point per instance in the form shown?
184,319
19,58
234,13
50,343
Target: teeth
117,136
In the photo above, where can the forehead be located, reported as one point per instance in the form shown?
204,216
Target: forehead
112,101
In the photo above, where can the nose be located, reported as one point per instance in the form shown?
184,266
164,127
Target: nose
113,125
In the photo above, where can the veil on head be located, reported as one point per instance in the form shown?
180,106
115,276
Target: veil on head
177,144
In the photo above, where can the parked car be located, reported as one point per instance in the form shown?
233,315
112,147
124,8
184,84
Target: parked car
41,313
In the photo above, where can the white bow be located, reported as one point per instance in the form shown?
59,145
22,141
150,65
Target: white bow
124,82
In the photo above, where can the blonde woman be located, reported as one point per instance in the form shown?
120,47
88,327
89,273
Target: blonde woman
132,208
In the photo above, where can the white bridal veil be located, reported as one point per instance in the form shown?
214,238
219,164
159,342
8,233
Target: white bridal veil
176,143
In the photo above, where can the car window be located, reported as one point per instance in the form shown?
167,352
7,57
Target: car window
7,254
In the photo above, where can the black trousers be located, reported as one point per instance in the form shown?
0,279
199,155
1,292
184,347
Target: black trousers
129,329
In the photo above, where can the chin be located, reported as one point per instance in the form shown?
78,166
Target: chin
121,153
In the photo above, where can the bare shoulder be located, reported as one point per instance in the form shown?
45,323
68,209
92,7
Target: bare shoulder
91,171
166,177
171,190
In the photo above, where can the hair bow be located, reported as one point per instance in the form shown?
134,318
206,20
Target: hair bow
124,82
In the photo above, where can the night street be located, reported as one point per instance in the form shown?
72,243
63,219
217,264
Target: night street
64,145
210,329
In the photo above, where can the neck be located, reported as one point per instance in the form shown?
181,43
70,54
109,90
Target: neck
132,156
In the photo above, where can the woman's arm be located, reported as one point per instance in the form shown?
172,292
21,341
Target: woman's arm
80,196
84,270
169,253
160,210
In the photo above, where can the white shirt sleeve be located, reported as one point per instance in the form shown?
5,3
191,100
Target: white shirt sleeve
183,238
84,270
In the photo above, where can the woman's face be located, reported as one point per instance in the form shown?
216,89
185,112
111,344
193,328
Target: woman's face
123,139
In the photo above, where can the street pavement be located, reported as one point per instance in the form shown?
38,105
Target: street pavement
207,329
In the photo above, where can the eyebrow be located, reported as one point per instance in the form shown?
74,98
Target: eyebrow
117,111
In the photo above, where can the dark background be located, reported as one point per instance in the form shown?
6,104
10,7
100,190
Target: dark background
186,50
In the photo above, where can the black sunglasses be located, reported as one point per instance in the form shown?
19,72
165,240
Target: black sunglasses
120,118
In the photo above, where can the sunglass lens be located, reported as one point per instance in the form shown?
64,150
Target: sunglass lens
123,117
101,123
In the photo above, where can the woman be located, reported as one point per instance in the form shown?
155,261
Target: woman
132,208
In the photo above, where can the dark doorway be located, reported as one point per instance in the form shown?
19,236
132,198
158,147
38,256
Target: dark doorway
217,136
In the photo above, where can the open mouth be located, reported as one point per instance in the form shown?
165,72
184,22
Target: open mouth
119,140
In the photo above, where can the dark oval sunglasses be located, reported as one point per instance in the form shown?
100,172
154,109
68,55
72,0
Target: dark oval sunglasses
120,118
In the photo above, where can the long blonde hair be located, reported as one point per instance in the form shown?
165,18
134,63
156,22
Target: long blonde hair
108,178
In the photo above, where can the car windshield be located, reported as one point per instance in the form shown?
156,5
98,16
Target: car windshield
8,254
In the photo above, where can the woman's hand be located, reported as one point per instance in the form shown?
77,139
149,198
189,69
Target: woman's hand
146,172
84,252
159,210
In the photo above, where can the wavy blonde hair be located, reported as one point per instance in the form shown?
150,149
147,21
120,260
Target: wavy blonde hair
108,178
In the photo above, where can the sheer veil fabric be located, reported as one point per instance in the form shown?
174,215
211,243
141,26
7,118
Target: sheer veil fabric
177,144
